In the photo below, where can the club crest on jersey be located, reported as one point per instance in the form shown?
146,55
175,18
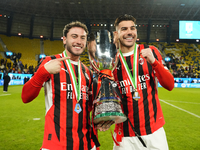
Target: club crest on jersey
141,61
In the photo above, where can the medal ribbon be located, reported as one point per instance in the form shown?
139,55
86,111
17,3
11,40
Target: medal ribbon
77,87
133,79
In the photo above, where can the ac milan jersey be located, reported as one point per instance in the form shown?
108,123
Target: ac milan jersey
145,114
67,125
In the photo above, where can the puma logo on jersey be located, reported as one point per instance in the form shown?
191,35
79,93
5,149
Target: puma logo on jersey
118,68
65,70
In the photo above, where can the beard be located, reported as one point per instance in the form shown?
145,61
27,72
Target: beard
69,48
125,45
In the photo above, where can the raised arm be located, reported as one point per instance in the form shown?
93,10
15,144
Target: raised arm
32,88
165,78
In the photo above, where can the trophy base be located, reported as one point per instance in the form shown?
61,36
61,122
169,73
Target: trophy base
117,117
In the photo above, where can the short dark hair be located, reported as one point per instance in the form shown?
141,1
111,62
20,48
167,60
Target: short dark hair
91,37
124,17
74,24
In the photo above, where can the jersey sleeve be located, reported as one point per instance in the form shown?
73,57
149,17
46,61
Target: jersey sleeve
165,78
32,88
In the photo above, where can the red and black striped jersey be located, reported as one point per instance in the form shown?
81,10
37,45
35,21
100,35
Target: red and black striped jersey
65,129
145,114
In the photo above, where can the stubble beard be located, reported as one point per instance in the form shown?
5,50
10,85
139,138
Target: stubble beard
69,48
124,45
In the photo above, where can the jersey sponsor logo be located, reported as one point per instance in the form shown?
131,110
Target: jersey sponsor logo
70,94
144,78
126,87
123,83
65,87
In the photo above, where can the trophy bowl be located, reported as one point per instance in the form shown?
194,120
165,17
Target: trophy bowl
103,58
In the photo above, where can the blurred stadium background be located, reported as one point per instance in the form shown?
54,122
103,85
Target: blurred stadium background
29,29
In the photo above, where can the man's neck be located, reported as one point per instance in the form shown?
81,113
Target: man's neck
72,57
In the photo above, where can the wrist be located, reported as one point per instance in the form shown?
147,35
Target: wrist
155,63
153,60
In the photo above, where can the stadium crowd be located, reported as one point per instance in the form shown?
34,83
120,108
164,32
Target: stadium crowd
15,67
182,72
176,66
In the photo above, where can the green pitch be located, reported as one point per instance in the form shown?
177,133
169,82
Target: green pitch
22,125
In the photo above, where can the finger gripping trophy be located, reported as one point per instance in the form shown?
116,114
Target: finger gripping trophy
103,57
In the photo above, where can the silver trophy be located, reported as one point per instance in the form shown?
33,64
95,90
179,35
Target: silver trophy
103,58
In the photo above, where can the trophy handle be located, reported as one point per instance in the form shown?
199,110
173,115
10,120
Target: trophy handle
93,64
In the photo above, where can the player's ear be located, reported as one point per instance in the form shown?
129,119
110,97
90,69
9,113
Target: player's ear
115,36
64,40
114,33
